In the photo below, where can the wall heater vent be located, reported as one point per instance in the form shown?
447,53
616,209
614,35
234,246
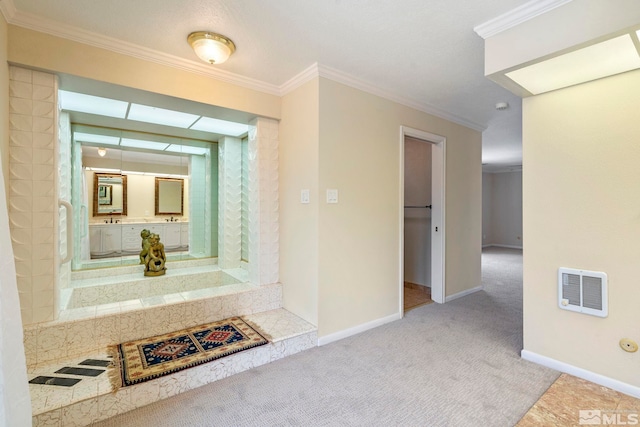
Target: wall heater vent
583,291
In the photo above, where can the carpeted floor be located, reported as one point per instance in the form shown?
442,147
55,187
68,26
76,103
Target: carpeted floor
456,364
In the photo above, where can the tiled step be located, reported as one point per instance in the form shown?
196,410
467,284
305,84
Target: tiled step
92,400
95,328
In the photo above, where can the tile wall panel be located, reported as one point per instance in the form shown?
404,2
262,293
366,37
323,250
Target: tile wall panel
263,201
32,189
197,201
65,218
229,202
245,200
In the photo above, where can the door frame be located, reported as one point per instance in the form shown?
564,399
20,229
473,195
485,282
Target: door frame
438,181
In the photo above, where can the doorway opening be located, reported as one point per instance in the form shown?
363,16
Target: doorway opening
422,220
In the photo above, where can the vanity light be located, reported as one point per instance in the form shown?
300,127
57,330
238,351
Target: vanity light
102,152
210,47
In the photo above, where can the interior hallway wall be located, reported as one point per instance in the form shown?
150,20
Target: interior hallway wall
487,208
359,237
299,169
581,210
502,209
417,221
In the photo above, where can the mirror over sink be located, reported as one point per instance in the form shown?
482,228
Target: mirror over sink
109,194
169,196
138,189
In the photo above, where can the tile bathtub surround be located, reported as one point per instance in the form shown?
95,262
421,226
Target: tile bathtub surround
95,401
96,329
32,189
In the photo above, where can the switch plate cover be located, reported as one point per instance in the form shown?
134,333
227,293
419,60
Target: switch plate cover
332,195
304,196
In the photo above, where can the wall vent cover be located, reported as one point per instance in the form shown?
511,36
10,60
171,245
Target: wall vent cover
583,291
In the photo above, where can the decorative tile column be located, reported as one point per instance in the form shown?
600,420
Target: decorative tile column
32,190
229,202
264,256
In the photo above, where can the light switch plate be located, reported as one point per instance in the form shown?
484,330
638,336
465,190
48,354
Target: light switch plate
332,195
304,196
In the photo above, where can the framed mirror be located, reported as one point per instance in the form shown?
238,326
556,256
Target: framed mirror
169,196
109,194
105,195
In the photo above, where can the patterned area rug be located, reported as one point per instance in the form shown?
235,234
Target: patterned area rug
149,358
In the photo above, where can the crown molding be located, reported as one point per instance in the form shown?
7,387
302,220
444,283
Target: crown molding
348,80
517,16
68,32
32,22
299,79
318,70
8,10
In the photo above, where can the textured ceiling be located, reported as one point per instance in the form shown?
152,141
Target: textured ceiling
421,50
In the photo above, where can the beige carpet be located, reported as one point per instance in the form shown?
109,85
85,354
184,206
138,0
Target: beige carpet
456,364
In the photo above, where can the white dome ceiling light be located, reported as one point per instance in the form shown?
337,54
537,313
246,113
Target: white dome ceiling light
212,48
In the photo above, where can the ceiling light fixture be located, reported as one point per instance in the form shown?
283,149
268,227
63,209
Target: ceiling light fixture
502,105
210,47
102,152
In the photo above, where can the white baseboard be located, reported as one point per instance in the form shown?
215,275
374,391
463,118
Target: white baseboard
463,293
502,246
336,336
581,373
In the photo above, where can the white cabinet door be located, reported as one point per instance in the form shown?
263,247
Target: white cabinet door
157,229
131,240
184,235
95,240
112,239
171,238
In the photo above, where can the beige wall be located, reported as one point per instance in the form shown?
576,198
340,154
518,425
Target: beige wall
34,49
298,151
463,209
582,210
359,237
487,200
502,208
4,103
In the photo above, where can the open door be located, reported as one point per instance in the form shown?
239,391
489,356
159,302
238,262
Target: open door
435,215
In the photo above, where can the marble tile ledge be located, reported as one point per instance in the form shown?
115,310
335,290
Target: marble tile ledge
91,400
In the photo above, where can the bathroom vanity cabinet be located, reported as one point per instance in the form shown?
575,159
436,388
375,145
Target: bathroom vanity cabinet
107,240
